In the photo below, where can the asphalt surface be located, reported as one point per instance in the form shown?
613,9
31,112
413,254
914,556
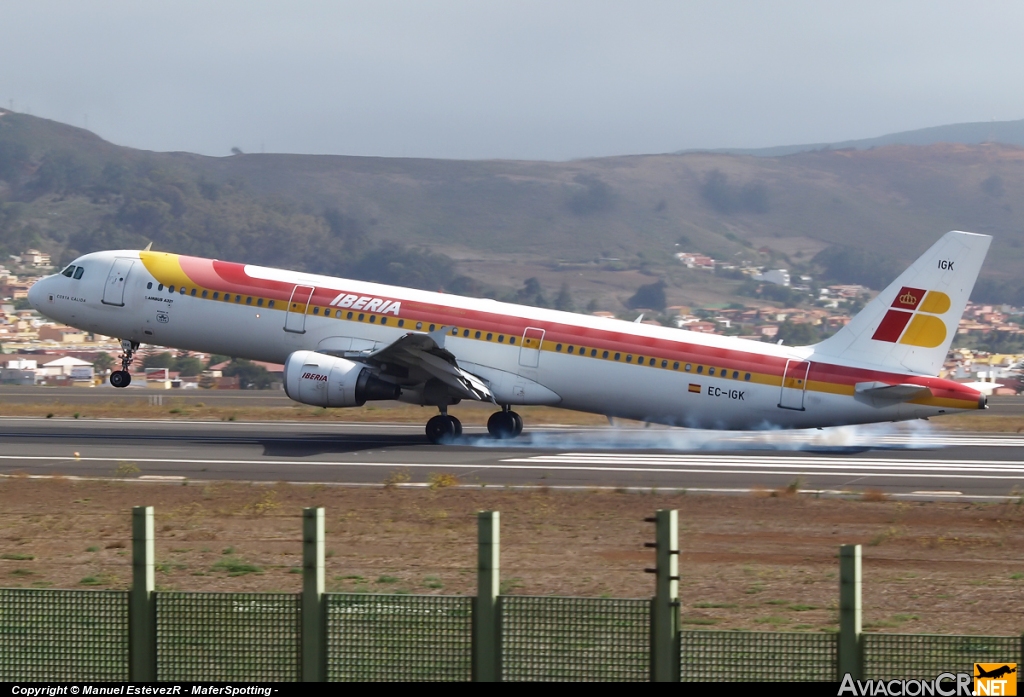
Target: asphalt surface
915,460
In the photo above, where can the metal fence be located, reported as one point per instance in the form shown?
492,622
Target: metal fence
398,637
760,656
227,636
926,655
83,635
552,638
63,635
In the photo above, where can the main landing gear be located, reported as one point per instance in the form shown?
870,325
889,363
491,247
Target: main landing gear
443,428
122,378
505,423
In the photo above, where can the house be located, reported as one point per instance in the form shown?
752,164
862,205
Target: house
68,367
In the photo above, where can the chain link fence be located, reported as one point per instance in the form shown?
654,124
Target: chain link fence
63,635
757,656
925,656
551,638
398,637
228,636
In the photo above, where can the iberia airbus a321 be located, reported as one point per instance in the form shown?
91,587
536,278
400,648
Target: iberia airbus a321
346,342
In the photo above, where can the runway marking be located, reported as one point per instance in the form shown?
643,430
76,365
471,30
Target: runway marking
707,465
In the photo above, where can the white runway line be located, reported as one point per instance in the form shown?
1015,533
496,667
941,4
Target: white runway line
833,467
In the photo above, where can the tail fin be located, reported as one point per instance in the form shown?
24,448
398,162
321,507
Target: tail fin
911,324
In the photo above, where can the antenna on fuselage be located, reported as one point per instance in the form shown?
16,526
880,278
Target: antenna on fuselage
148,247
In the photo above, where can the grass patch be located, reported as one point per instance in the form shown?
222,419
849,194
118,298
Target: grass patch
236,567
23,572
396,478
17,557
440,480
773,620
93,548
89,581
433,582
704,621
715,605
387,579
796,607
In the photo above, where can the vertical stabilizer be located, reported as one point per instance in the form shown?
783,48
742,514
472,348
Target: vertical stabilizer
911,324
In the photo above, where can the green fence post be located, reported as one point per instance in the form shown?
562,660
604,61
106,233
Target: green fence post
142,602
486,617
665,604
314,609
851,652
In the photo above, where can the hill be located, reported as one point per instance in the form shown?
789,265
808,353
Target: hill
602,227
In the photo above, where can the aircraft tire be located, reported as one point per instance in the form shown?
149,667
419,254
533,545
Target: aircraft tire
502,424
519,423
443,429
120,378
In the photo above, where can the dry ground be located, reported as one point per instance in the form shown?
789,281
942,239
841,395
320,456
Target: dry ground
767,561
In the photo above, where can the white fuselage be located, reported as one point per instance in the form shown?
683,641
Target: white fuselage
566,360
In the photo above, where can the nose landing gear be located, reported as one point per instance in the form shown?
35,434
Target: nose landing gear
122,378
443,428
505,423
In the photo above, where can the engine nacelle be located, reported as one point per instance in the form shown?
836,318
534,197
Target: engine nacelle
329,381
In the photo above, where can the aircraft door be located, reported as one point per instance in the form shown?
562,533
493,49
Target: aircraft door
295,318
794,384
529,350
113,291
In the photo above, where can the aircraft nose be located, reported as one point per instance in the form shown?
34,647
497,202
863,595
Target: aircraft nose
37,294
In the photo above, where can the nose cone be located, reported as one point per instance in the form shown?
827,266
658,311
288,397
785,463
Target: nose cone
38,295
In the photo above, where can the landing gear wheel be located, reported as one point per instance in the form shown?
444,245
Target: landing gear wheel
519,423
443,429
502,424
120,378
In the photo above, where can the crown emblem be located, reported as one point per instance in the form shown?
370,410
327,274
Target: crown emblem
908,299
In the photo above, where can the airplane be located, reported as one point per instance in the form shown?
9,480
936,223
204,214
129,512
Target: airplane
345,342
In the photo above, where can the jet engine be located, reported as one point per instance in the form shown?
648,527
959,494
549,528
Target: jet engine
329,381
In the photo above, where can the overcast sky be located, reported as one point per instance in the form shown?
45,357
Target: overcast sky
494,79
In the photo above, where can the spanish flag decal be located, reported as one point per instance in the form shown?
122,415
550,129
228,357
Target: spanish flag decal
694,388
912,319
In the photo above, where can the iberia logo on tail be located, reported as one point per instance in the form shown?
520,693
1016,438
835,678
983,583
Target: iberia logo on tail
913,318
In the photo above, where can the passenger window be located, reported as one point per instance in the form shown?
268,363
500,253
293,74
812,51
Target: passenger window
259,302
617,356
593,353
316,310
477,336
216,295
337,313
349,316
501,338
629,358
687,368
558,348
270,304
149,286
711,371
160,286
182,291
68,271
248,300
431,327
735,374
78,272
238,298
362,316
604,355
383,320
664,364
675,366
455,331
511,340
170,289
401,323
747,377
465,332
193,293
640,360
373,319
570,349
205,292
700,369
489,336
419,325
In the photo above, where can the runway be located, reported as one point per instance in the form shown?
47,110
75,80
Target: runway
912,460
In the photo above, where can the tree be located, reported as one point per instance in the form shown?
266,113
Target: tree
651,297
102,362
564,300
250,376
797,334
164,359
188,365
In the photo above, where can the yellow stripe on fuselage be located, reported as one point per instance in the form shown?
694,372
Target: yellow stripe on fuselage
165,268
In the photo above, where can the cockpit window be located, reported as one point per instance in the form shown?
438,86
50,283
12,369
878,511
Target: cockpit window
78,272
68,271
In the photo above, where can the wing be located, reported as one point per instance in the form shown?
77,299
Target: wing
415,357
